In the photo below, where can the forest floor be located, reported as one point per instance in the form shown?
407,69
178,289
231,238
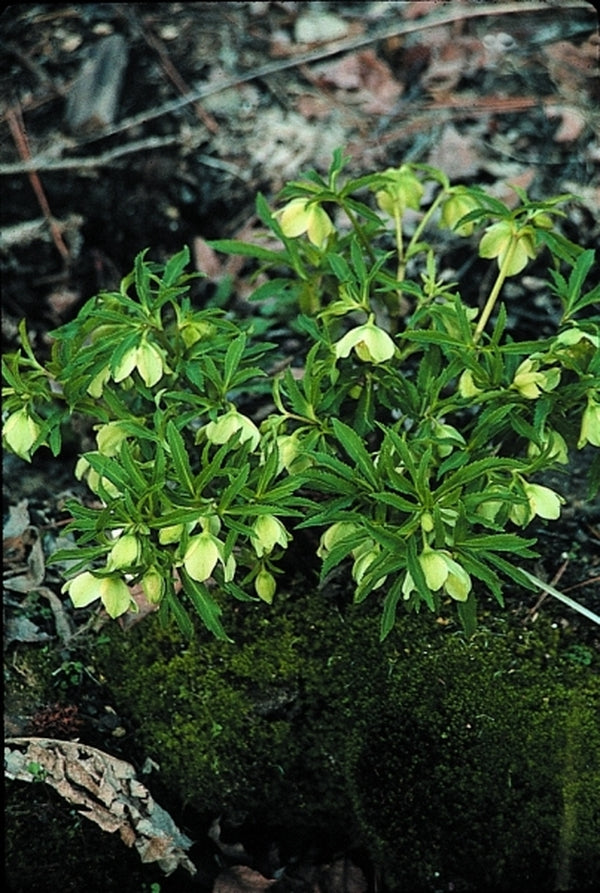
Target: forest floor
186,112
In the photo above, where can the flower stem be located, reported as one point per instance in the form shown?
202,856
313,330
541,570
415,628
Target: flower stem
493,295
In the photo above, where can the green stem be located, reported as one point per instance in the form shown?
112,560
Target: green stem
493,295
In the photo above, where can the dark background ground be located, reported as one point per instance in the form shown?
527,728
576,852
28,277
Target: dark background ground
507,96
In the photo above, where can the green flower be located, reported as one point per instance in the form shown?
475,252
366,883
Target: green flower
20,432
370,343
541,501
232,422
402,190
268,532
203,553
503,239
339,531
530,382
590,424
126,553
466,385
457,205
301,215
112,591
440,570
148,359
554,443
110,437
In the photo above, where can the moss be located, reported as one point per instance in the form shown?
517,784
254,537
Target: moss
466,763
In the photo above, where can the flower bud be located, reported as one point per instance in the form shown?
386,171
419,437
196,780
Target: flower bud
153,584
201,556
265,586
110,437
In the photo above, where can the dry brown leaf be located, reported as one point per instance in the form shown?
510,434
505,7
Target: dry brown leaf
343,876
367,79
456,154
572,122
241,879
106,791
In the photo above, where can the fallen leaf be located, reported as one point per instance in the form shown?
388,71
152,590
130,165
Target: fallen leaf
369,81
105,790
241,879
456,154
572,122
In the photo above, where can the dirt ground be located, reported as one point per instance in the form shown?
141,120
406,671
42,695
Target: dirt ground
132,126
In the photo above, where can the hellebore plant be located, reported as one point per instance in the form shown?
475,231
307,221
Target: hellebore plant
410,430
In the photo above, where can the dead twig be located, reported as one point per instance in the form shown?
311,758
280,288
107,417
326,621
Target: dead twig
19,135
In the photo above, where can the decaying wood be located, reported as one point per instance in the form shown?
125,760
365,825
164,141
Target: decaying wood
106,791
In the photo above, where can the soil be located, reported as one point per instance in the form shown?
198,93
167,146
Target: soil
496,94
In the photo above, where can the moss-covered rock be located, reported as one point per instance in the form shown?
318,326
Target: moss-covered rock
465,763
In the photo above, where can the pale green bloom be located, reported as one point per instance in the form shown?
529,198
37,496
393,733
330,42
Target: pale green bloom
402,190
232,422
300,215
364,556
148,359
125,553
466,385
97,483
268,532
335,534
96,386
170,534
291,455
459,203
553,441
265,586
370,343
112,591
20,432
202,554
541,501
505,237
590,424
530,382
110,437
440,570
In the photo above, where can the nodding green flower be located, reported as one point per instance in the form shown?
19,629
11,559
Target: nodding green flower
590,423
126,553
112,591
530,382
370,343
268,532
402,190
265,586
202,554
459,203
364,556
147,358
109,438
541,501
221,430
301,215
504,238
335,534
291,455
440,570
466,385
554,443
20,432
97,483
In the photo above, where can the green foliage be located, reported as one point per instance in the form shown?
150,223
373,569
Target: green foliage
473,763
411,441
